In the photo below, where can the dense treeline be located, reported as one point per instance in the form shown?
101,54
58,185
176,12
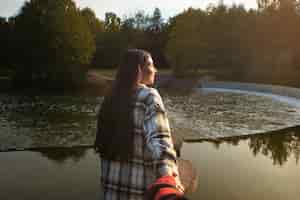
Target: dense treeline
255,45
140,31
50,44
6,41
54,43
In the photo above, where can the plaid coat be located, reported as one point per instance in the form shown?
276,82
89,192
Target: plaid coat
153,154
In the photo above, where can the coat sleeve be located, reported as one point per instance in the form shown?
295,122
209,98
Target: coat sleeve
158,135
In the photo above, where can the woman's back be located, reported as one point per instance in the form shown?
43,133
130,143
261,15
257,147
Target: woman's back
133,134
129,179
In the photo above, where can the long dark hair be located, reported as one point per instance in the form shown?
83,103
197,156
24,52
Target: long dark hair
114,138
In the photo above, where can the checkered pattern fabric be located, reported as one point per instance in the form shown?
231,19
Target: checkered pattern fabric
153,155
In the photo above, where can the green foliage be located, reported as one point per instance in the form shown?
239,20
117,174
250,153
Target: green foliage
188,40
6,41
3,38
2,20
55,43
257,45
157,37
278,4
96,26
109,43
140,31
112,22
157,17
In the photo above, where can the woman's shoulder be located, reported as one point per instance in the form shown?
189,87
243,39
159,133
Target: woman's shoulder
151,97
148,93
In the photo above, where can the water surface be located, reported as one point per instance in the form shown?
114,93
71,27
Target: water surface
44,120
243,167
256,167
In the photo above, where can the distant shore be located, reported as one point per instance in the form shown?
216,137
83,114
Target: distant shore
98,83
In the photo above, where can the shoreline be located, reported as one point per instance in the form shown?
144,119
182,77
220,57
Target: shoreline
97,85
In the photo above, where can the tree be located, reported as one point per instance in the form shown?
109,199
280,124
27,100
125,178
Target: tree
129,31
7,44
2,20
263,4
55,43
212,40
189,41
3,41
96,26
156,21
278,4
110,43
156,36
112,22
141,20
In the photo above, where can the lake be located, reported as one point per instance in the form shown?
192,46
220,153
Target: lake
255,167
218,127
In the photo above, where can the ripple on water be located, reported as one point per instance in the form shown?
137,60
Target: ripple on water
46,120
203,114
64,120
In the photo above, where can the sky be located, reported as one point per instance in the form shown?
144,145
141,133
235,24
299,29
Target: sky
124,8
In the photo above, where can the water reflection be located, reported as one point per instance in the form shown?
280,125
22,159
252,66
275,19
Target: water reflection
278,148
232,171
279,145
58,174
247,167
61,155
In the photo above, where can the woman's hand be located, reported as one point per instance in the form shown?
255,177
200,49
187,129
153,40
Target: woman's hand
179,185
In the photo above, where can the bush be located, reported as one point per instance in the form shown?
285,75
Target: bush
55,44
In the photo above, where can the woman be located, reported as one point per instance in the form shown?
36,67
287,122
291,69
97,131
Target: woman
133,133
